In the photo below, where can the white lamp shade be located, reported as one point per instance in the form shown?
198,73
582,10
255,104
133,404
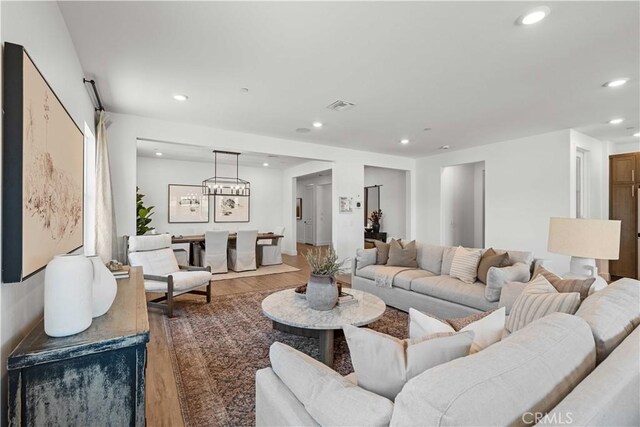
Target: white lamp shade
585,238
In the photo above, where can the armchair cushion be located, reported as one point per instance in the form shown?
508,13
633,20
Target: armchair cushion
157,262
149,242
183,281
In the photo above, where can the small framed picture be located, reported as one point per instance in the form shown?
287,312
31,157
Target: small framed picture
346,204
231,209
187,204
298,208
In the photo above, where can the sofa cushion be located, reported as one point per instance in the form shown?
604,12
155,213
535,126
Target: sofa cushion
518,256
497,277
447,259
612,314
465,264
530,371
382,254
454,290
430,258
491,259
402,255
403,279
365,257
328,397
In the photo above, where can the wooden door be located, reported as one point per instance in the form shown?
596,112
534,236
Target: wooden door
623,169
624,208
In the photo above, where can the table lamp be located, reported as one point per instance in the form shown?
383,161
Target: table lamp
585,240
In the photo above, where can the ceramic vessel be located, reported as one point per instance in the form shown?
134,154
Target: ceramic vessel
68,293
322,292
105,287
376,227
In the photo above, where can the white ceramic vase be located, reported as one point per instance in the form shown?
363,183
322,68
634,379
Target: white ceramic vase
105,287
68,294
322,292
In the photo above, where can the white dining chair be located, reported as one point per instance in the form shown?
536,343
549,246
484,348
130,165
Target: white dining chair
161,271
242,255
272,252
215,250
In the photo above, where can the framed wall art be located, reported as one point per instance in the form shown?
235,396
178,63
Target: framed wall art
299,208
231,209
345,204
42,171
187,204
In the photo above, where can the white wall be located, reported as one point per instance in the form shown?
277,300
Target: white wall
527,181
154,176
393,199
596,169
347,165
40,28
457,198
478,205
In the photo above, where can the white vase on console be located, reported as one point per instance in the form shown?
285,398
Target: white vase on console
68,293
105,287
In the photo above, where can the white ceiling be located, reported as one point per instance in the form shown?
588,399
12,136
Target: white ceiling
194,153
461,68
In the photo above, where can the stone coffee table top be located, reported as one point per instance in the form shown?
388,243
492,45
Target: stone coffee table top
290,309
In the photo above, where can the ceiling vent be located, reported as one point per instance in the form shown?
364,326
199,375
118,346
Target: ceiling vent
340,105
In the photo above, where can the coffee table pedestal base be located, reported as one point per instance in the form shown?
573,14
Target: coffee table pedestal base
326,337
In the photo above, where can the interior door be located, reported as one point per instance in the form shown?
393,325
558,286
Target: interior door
623,169
307,214
323,219
624,208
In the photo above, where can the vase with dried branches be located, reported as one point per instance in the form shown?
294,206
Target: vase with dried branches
322,292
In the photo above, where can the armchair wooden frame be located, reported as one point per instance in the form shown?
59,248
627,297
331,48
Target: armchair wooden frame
168,296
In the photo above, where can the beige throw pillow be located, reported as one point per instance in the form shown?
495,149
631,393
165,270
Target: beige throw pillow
403,255
490,259
382,252
538,299
581,286
383,364
487,327
465,264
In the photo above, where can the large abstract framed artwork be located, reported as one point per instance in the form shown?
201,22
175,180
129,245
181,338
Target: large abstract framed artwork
187,204
42,171
231,209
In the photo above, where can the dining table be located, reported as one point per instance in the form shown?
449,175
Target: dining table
198,239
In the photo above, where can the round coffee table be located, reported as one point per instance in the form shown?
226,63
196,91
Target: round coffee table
291,313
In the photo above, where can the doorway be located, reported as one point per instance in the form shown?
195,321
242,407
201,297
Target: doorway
462,206
314,219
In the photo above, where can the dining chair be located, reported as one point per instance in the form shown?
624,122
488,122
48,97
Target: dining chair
272,253
242,255
215,250
182,252
163,274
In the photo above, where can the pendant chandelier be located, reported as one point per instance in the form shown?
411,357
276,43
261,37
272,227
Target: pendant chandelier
225,185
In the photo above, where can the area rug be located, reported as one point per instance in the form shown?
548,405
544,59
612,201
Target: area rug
218,347
261,271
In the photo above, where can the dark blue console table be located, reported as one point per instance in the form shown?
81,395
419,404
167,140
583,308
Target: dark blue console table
96,377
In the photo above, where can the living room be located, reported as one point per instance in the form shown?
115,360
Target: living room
302,122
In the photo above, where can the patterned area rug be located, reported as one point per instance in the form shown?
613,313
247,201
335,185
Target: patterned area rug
218,347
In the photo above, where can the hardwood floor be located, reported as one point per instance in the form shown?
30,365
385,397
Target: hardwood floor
162,403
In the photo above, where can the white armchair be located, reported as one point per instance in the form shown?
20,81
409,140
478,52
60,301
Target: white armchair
242,255
272,253
215,247
162,272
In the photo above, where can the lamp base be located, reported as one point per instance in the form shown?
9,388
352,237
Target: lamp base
585,268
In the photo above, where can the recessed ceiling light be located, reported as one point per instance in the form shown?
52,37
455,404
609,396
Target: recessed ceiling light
426,129
158,153
404,141
180,97
317,124
615,83
616,121
244,89
534,16
637,134
265,164
303,130
443,147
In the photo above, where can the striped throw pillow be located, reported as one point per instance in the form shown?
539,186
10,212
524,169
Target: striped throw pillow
538,299
465,264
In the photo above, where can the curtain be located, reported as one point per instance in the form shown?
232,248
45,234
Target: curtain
106,242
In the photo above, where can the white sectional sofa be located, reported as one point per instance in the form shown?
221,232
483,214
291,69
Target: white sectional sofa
561,369
429,288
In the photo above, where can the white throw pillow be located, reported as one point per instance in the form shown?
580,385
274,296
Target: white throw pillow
383,364
488,330
538,299
465,264
365,257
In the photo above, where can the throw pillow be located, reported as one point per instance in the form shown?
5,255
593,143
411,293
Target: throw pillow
465,264
487,327
490,259
538,299
383,364
403,255
447,259
365,257
382,254
498,277
581,286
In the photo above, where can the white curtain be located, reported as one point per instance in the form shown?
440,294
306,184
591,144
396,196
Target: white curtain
106,243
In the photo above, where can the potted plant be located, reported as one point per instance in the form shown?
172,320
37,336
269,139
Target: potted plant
143,214
375,218
322,292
